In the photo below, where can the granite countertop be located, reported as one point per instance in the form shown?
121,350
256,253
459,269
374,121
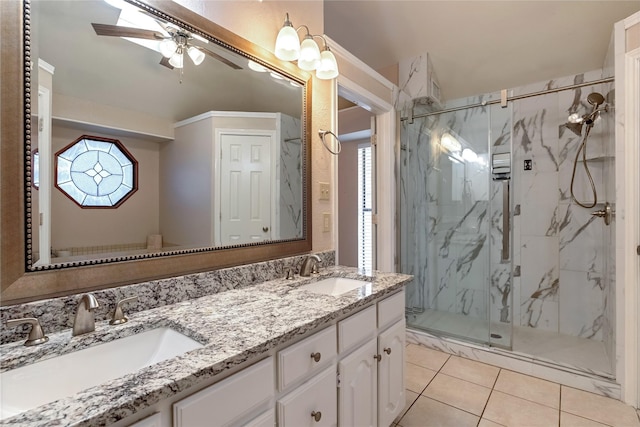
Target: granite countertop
235,326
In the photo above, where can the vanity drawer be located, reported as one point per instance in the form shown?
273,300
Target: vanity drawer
390,310
228,400
318,396
356,329
295,362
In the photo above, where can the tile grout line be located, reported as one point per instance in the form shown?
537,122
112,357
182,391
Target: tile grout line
425,387
490,393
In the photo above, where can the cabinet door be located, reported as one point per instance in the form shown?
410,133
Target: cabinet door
358,387
313,404
391,400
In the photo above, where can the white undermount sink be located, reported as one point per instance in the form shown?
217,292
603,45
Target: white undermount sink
334,286
42,382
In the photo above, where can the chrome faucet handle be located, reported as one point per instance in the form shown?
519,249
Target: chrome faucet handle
118,315
36,335
290,273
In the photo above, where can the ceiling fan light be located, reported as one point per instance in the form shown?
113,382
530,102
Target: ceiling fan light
196,55
309,54
287,42
328,68
177,60
168,47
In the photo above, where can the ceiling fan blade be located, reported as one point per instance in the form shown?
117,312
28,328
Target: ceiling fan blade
118,31
165,61
219,58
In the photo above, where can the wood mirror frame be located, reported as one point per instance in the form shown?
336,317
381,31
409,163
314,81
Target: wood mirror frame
18,285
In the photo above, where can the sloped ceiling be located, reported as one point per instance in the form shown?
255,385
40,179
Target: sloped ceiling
480,46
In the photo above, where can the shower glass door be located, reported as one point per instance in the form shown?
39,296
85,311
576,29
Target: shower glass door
451,221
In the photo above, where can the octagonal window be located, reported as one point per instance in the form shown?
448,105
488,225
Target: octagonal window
96,172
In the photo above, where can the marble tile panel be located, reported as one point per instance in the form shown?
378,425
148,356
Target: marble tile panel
529,388
461,394
539,268
488,423
539,204
581,239
597,408
470,370
539,313
428,412
582,311
512,411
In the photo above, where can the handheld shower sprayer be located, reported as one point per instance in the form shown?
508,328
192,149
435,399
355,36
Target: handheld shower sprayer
575,125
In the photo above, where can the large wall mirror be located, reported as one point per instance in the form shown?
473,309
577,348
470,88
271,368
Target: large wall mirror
155,143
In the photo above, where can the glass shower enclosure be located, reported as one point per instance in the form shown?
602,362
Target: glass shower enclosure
454,206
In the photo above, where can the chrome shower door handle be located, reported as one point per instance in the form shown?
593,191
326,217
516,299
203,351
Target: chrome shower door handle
506,221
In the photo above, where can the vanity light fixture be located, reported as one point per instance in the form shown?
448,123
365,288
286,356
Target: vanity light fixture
307,53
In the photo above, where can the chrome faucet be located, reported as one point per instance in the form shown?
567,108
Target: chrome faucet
85,320
310,265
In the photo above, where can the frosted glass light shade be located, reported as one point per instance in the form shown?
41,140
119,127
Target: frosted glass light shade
257,67
177,60
328,68
168,47
309,54
196,55
287,44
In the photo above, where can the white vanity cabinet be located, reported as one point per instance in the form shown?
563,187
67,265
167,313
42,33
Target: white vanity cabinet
371,389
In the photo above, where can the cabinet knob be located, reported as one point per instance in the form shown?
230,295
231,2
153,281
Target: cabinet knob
265,229
316,357
316,415
387,350
377,357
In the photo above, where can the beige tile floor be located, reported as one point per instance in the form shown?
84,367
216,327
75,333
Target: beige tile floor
447,390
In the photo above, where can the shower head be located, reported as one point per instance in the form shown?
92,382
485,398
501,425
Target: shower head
576,122
595,99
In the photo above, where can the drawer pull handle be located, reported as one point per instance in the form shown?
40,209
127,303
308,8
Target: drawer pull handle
387,350
316,415
316,357
377,357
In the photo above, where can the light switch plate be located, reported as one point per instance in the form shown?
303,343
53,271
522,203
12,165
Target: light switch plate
324,191
326,222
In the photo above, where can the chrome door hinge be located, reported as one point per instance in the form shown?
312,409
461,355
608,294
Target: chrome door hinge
41,124
374,140
374,219
338,379
638,249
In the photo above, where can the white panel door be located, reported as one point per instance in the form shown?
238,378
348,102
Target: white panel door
391,400
245,188
358,390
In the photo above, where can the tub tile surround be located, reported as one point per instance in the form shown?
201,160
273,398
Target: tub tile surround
559,248
236,326
152,294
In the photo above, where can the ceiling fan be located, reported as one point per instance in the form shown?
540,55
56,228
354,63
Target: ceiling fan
172,46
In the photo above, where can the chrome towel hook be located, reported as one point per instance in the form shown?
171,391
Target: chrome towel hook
323,134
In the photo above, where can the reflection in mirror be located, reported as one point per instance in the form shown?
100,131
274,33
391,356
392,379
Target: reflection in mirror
216,135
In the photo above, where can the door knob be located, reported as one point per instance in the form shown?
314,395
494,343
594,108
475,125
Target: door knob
316,356
377,357
316,415
265,229
387,350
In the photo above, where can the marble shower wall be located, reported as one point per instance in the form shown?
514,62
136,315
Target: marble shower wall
559,248
451,234
290,175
